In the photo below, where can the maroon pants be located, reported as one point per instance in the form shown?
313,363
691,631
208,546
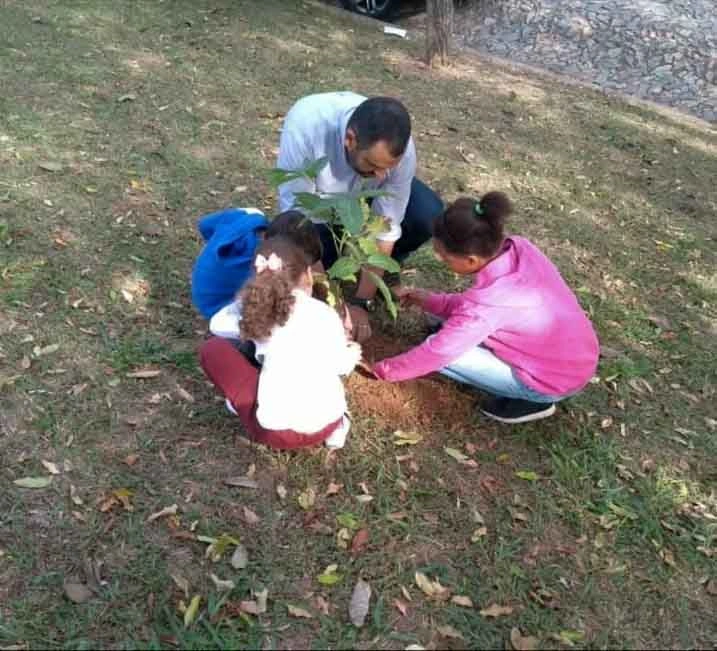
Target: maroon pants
238,381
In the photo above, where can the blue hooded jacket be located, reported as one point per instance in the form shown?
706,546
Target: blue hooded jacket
225,263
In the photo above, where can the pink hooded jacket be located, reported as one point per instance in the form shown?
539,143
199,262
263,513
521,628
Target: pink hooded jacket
523,311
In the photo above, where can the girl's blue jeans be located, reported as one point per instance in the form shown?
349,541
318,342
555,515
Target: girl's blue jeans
481,369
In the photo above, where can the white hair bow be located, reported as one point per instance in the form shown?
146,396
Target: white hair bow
272,263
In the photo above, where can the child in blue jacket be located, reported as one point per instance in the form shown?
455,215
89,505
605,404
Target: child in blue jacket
232,237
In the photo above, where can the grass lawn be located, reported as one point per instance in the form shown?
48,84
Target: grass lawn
120,124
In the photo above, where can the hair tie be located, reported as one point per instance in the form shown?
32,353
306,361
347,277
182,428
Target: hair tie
272,263
478,209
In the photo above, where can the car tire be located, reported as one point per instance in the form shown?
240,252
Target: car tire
380,9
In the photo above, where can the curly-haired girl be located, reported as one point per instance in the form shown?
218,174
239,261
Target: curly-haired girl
297,397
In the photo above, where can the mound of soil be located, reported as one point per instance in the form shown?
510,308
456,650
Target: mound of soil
428,402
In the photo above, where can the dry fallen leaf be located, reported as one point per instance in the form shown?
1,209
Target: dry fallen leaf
46,350
281,491
167,510
364,499
432,589
249,607
181,583
295,611
50,166
343,536
146,374
521,643
106,504
33,482
222,585
465,602
711,587
124,495
668,557
322,605
218,546
518,516
184,394
307,499
241,482
249,516
456,454
397,516
333,489
495,610
449,632
406,438
77,592
76,499
360,599
479,533
25,363
240,558
262,596
360,542
131,459
401,606
50,467
406,593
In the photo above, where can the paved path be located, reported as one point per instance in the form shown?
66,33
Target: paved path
661,50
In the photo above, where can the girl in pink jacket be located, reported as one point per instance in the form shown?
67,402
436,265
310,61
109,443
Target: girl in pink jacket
518,333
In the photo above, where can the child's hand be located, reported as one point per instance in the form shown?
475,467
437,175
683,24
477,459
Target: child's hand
356,323
365,369
355,352
411,295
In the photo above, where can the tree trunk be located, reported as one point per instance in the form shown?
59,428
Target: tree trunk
439,30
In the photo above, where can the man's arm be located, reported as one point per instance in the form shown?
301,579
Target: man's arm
392,208
294,154
366,289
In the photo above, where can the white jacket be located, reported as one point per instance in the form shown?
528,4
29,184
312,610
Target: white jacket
300,387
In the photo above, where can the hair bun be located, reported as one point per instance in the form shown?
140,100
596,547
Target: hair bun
494,207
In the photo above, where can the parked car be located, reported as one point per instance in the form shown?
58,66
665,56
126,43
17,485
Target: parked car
381,9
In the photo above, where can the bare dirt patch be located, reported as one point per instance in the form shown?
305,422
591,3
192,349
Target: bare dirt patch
425,402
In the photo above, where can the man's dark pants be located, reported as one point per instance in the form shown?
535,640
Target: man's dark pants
424,206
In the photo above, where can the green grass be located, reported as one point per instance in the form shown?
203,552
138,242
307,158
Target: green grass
611,546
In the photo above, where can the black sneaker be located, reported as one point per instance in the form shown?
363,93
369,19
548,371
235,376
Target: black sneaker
513,411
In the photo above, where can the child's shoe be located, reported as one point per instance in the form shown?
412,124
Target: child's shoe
514,411
337,440
230,407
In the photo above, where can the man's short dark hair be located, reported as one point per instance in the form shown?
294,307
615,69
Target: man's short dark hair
297,227
381,119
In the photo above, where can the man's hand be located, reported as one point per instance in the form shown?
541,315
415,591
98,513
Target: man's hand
356,323
411,295
366,288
